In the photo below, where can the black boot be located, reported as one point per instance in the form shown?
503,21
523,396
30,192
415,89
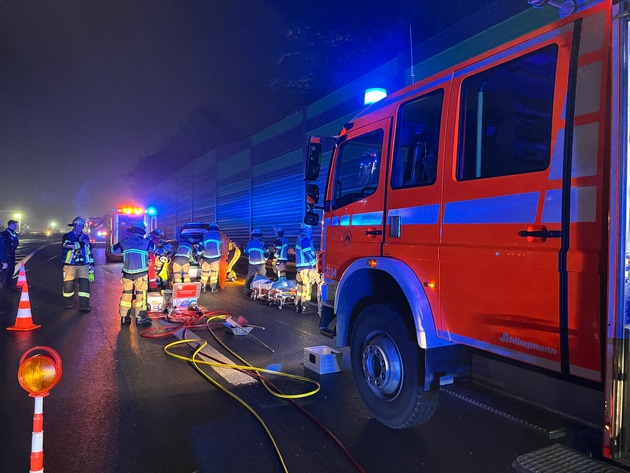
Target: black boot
143,320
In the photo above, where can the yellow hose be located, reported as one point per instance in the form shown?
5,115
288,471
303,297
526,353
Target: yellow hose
235,257
244,367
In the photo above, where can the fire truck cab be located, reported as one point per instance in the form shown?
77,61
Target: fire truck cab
485,208
120,219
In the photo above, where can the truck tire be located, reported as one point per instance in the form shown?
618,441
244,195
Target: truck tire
387,371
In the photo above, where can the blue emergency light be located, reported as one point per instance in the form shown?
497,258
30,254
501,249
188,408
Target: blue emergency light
373,95
151,211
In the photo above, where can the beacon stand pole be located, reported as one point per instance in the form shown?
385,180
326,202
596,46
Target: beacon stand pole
38,374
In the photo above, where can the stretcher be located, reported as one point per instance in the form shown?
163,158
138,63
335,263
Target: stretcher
260,287
276,293
282,291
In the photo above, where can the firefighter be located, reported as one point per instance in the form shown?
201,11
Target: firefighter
3,267
305,260
257,253
211,247
11,242
136,251
78,264
185,254
155,236
281,253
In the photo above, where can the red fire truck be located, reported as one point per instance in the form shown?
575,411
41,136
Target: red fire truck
120,219
484,209
98,230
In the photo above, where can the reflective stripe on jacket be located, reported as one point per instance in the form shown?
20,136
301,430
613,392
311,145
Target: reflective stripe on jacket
186,250
76,256
135,251
282,249
257,251
211,245
304,252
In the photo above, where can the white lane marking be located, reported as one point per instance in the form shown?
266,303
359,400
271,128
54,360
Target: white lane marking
232,376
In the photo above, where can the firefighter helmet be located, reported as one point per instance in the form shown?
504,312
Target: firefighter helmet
280,231
138,227
257,232
190,240
77,221
306,229
213,226
157,232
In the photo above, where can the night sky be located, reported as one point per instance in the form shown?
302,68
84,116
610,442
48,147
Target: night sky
87,87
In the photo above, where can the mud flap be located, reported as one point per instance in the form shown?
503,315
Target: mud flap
445,364
328,322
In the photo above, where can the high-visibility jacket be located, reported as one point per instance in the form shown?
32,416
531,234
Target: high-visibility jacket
282,248
304,252
135,251
81,253
185,249
211,245
257,251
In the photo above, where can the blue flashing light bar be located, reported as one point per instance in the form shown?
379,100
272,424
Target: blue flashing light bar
373,95
151,211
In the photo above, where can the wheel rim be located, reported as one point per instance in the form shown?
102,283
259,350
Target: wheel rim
382,365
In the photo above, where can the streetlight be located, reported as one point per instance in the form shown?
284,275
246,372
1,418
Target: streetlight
19,219
50,230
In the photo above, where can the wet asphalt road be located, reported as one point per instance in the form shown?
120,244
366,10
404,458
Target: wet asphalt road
123,405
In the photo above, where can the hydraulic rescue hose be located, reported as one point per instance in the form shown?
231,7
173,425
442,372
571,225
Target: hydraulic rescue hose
195,361
192,320
291,398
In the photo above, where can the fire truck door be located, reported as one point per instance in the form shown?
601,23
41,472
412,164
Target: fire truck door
354,227
520,258
413,200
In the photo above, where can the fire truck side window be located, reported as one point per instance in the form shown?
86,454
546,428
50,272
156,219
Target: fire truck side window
417,141
505,124
358,166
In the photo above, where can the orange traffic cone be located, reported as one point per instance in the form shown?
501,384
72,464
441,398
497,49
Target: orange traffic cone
24,319
21,282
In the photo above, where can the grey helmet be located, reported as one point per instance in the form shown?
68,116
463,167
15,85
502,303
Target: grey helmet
78,221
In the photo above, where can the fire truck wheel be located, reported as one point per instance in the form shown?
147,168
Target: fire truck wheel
387,370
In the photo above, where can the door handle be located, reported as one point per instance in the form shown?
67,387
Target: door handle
374,232
541,233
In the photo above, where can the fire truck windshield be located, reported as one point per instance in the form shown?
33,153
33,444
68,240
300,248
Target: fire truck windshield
124,222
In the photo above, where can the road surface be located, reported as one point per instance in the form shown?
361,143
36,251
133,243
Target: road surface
124,405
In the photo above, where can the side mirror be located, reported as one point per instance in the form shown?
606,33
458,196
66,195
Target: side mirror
311,218
313,159
312,194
